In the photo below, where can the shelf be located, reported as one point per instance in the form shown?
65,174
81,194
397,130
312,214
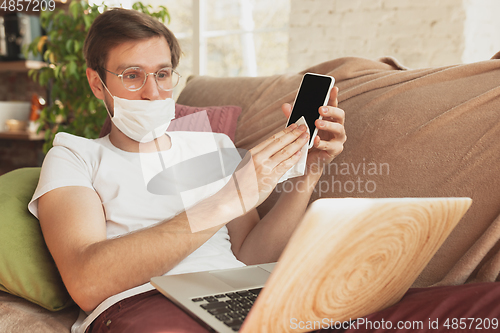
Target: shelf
22,135
21,65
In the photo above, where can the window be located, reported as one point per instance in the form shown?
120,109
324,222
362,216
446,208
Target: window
230,37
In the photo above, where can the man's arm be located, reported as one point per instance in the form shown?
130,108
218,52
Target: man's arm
94,268
255,240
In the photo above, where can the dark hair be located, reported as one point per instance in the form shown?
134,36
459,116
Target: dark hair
117,26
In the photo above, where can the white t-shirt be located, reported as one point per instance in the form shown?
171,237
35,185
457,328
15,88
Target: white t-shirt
121,178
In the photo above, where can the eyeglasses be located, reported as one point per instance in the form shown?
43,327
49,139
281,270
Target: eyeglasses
134,78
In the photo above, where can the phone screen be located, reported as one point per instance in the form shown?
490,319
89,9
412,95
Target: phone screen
313,93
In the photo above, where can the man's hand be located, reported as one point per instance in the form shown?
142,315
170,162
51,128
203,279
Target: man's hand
256,240
272,158
330,139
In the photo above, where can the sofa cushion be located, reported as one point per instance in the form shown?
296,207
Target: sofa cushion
26,266
18,315
222,119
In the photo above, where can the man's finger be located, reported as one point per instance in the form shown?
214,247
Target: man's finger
331,114
334,128
333,101
278,144
258,148
287,109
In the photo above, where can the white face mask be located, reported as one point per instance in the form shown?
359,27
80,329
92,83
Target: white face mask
142,120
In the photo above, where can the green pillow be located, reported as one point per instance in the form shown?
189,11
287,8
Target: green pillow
26,266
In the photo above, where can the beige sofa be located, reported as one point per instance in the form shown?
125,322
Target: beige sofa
411,133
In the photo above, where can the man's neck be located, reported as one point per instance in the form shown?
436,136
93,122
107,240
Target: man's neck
123,142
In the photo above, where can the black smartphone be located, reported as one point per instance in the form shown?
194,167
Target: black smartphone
314,91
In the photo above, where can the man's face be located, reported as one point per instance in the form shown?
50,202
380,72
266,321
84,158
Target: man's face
150,54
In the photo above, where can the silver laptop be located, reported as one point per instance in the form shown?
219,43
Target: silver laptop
221,300
218,299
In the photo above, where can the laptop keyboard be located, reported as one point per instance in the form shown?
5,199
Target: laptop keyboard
231,308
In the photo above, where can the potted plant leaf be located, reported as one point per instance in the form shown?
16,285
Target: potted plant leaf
72,106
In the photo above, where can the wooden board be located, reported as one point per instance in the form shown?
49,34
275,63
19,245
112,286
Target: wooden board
361,257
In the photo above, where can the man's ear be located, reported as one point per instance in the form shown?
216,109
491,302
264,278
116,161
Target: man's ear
95,83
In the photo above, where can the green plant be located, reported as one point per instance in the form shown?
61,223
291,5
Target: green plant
74,109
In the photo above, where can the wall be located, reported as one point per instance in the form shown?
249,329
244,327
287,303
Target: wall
419,34
16,86
16,154
482,29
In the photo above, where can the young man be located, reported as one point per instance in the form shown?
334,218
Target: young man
106,232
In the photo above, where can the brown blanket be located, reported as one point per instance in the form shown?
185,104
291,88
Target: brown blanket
411,133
